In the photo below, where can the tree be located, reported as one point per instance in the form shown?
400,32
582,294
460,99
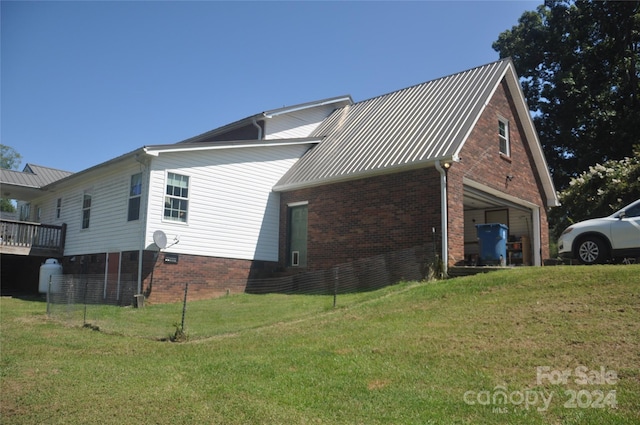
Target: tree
598,192
579,63
10,160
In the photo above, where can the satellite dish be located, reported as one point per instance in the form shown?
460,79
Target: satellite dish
160,239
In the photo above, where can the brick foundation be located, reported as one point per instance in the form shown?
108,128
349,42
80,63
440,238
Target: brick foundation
208,277
164,282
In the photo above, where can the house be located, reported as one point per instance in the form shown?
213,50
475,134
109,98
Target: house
307,187
447,154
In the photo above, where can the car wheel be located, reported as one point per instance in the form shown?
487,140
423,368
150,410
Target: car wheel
592,250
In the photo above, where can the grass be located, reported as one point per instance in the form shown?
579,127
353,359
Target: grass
208,318
412,353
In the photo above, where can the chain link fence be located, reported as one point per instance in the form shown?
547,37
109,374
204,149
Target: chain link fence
365,274
100,302
84,298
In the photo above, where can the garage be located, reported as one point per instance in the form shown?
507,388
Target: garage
484,205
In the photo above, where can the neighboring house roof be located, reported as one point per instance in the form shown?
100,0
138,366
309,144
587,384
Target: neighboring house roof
33,175
22,184
46,174
11,177
409,128
338,101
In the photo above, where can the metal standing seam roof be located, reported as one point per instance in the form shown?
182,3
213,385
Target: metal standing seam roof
26,184
46,175
13,177
34,176
408,127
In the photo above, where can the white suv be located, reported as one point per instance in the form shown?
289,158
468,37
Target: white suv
603,239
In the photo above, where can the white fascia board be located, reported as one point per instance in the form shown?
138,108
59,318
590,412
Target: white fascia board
276,112
456,154
155,151
529,128
532,138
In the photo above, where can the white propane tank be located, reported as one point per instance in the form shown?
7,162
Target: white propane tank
50,267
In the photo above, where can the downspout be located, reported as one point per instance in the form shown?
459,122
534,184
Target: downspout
443,214
143,216
255,123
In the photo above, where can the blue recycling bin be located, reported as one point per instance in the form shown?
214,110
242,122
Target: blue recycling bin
493,243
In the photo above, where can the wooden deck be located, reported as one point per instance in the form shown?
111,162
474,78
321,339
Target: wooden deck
26,238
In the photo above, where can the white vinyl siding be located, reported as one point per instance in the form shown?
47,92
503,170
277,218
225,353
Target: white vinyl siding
109,229
296,124
233,212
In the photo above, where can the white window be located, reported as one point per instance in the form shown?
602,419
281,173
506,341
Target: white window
503,135
86,210
135,194
176,200
59,208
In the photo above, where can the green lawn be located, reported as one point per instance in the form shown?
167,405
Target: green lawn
413,353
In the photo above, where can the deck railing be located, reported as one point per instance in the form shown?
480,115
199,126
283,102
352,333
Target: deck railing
21,237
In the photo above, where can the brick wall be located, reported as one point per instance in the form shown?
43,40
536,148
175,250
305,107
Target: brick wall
367,217
482,162
208,277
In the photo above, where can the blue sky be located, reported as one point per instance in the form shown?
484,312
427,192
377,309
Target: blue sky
84,82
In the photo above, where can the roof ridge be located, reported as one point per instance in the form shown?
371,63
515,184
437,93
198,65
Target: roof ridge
434,80
30,164
405,128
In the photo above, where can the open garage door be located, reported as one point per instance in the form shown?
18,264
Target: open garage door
484,205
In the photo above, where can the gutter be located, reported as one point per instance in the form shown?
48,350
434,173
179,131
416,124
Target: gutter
144,206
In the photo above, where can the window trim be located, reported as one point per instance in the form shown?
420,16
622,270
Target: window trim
506,137
297,204
133,196
58,208
87,209
187,198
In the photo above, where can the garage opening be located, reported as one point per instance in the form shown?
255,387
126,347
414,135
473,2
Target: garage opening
522,221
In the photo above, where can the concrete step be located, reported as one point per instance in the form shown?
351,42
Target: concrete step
460,271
